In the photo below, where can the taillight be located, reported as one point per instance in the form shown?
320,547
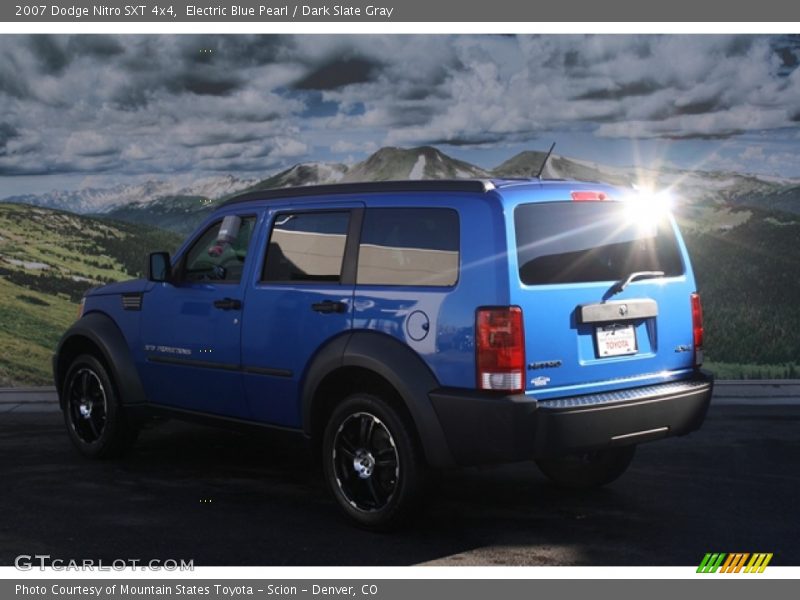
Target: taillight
500,349
697,328
589,196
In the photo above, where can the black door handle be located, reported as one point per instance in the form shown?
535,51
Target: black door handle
329,306
228,304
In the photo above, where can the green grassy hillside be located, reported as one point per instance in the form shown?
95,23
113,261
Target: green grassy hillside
747,272
48,259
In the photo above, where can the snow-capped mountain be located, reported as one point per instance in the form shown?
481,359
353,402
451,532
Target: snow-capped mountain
528,164
386,164
104,200
424,162
302,174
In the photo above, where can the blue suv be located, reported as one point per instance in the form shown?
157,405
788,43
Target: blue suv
405,327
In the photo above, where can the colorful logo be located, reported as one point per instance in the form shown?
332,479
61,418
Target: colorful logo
735,562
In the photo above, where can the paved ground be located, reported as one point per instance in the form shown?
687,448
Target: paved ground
227,499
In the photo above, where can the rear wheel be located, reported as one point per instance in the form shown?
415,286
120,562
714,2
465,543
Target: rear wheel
372,463
95,419
587,470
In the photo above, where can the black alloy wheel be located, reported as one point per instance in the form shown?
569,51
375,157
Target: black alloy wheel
372,462
95,418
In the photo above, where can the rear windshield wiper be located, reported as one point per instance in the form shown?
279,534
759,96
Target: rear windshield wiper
623,283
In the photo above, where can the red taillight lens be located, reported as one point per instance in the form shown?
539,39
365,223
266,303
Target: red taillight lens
500,349
588,196
697,328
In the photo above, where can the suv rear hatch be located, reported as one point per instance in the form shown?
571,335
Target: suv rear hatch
605,290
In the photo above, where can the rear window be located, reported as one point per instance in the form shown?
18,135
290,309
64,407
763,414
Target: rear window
575,242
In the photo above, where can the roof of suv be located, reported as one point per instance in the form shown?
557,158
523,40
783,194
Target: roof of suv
478,186
434,185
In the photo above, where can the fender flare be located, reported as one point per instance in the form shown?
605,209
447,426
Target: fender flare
401,367
102,332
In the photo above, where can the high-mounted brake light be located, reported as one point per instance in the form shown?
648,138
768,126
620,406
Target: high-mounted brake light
589,196
500,349
697,328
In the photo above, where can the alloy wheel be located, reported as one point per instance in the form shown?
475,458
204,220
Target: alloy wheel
88,405
366,462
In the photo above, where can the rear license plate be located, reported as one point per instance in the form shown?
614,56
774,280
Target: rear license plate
615,340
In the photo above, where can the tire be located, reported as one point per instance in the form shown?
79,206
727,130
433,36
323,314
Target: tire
94,417
587,470
372,463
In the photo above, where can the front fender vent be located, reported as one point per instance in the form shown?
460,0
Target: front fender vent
132,301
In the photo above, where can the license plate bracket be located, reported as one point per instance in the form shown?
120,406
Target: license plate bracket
615,339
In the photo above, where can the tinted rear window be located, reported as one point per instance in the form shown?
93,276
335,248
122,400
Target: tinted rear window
574,242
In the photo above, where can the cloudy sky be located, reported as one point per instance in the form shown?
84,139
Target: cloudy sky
97,110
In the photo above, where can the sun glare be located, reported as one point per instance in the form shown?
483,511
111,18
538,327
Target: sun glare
646,208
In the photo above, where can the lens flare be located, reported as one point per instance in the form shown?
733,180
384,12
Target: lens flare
647,208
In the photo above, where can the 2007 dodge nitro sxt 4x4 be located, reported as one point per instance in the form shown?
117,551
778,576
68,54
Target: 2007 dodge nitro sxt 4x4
404,327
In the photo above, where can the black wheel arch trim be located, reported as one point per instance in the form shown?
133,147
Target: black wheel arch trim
101,330
400,366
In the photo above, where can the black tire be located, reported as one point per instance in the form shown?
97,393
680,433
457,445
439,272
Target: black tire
587,470
94,417
372,464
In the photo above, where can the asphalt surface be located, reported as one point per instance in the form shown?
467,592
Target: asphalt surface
222,498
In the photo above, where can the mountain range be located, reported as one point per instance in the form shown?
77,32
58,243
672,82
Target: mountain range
92,200
179,207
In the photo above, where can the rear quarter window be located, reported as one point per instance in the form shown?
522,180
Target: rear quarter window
409,247
575,242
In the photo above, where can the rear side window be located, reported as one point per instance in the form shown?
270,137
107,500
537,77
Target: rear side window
307,246
574,242
409,246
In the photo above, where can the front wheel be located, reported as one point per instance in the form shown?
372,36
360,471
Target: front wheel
587,470
372,463
95,419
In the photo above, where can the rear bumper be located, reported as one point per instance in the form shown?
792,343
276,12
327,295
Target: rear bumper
485,428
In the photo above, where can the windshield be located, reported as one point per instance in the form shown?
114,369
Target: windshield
574,242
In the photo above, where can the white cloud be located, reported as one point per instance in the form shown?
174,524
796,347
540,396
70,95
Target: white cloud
283,147
90,143
345,146
150,104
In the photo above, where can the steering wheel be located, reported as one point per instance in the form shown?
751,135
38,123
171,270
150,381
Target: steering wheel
206,270
209,270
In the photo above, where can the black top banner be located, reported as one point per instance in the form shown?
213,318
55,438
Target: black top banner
464,11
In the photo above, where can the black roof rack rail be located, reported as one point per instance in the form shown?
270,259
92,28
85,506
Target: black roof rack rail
425,185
